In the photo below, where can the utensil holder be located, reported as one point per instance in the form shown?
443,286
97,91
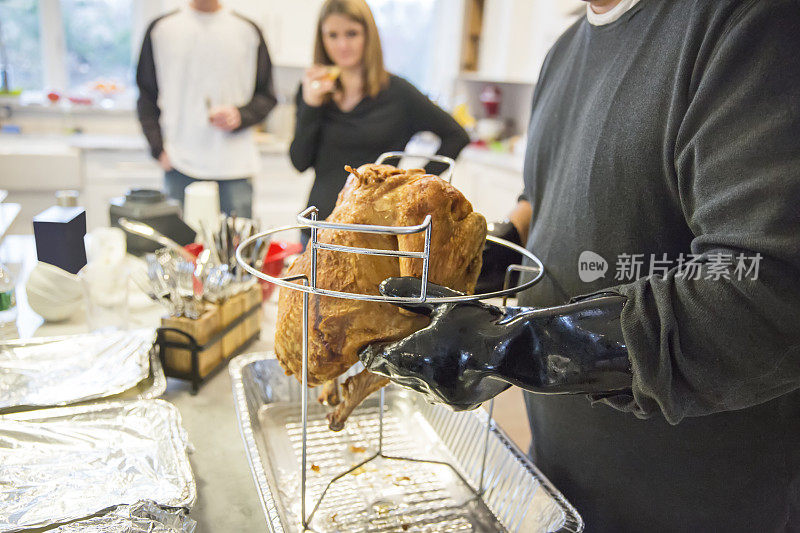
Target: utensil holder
196,349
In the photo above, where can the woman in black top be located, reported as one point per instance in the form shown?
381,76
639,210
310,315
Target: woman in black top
350,110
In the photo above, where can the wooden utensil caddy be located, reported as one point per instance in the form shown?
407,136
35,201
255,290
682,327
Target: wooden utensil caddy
195,349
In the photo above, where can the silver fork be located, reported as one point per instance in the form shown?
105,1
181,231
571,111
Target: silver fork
167,272
142,280
184,271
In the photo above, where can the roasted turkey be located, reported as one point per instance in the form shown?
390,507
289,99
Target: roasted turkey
339,328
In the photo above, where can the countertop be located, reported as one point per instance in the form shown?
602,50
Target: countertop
227,498
268,144
504,160
25,143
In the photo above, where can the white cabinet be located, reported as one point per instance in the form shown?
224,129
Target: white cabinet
491,182
32,169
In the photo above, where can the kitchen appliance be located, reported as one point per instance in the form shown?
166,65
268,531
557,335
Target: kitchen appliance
491,96
492,127
150,207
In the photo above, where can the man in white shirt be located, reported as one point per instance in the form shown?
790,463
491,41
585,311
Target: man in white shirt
204,78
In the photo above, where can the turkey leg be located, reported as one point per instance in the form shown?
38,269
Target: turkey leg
355,390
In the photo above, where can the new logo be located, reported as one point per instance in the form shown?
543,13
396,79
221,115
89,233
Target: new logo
591,266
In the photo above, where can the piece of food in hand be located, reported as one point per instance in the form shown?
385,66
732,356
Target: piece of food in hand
338,327
333,73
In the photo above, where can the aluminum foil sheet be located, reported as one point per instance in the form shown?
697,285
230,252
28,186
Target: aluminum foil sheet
141,517
151,387
387,495
68,370
62,464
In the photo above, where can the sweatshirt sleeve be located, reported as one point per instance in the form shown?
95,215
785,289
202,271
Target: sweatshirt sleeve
147,104
308,123
701,344
263,99
424,115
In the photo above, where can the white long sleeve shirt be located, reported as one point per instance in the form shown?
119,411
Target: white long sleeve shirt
192,61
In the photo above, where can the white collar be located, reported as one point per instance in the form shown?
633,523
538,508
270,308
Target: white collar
601,19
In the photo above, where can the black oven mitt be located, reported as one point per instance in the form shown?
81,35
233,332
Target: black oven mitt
472,351
496,258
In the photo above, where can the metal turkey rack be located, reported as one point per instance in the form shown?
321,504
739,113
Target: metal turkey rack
308,219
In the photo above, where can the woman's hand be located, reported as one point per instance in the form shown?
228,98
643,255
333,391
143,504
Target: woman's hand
317,82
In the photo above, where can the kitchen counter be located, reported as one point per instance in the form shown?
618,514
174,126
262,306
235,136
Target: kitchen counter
45,144
102,167
227,497
499,160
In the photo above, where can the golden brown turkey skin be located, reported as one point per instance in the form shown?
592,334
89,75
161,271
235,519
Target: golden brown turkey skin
339,328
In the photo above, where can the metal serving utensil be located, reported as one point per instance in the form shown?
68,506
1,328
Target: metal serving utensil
148,232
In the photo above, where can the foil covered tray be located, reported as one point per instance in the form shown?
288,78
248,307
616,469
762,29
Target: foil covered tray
58,371
140,517
67,463
387,495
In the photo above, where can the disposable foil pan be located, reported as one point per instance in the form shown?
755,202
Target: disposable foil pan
141,517
387,495
66,463
66,370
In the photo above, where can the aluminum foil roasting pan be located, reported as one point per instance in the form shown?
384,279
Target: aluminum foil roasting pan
66,463
66,370
140,517
387,495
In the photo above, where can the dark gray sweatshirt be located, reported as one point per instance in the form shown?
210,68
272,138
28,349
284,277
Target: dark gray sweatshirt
676,130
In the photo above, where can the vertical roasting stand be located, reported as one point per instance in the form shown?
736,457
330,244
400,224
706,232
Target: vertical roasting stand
308,219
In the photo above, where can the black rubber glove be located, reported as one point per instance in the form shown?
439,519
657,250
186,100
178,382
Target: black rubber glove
497,258
472,351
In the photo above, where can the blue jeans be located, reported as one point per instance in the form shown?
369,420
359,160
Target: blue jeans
235,196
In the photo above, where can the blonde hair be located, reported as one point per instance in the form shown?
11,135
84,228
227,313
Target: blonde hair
374,75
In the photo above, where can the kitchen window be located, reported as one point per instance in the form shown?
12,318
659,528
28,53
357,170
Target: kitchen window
89,48
20,44
76,46
97,35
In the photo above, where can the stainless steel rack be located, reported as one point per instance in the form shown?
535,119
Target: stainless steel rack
308,219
